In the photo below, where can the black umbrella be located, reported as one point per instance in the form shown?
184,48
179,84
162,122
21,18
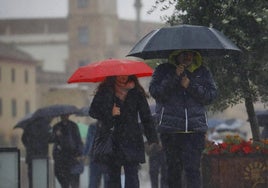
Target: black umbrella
24,121
160,43
84,111
30,119
55,110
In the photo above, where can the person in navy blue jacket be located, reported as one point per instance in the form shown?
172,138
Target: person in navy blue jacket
182,88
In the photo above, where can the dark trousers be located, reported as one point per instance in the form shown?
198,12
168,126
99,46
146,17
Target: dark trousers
183,154
131,175
66,179
158,167
96,171
30,174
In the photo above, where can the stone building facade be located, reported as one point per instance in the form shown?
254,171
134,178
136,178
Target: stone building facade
91,32
18,88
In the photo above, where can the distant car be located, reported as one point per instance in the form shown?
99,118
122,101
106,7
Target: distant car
228,127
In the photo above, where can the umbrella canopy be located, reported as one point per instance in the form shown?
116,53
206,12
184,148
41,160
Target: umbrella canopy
160,43
55,110
30,119
97,71
84,111
23,122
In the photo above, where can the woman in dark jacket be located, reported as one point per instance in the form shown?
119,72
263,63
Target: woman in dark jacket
118,103
181,89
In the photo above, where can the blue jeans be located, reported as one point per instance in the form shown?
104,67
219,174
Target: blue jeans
96,171
183,154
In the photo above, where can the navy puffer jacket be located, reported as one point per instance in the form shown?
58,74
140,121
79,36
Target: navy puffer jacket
180,109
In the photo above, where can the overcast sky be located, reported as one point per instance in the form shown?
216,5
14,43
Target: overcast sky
59,8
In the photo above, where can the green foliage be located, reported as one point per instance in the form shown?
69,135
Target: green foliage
225,72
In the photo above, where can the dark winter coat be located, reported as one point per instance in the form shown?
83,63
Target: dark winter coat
128,133
35,138
180,109
67,147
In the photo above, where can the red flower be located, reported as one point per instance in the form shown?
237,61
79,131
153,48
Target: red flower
236,145
235,148
223,146
247,149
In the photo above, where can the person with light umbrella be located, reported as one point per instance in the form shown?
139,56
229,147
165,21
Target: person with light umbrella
182,88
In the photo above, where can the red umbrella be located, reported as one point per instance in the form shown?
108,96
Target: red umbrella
97,71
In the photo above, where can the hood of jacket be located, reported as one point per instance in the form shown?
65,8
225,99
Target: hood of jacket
197,59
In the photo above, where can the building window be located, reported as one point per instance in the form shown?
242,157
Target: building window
27,107
13,76
1,107
83,35
14,107
82,3
26,76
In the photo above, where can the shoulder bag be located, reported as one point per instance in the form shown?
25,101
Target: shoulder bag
103,146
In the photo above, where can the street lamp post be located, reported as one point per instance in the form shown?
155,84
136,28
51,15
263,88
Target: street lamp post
138,6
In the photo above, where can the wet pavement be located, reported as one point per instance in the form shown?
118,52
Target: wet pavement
53,183
143,176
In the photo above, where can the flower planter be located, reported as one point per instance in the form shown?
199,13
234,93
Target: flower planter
235,171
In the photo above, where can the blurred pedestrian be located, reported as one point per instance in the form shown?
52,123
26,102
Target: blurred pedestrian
157,160
157,166
118,102
181,88
35,138
67,153
96,170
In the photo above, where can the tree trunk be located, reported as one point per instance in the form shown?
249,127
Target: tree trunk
252,119
249,103
250,108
